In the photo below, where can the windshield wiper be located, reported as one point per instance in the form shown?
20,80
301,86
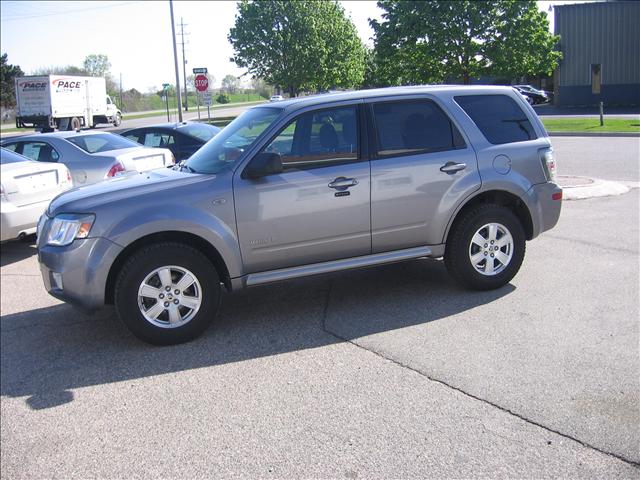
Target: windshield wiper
183,164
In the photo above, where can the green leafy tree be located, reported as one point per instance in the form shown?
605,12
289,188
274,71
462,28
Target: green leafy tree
230,83
301,45
7,88
96,65
429,42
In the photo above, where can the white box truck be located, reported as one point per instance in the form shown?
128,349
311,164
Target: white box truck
64,102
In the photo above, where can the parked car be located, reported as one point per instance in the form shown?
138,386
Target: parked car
90,156
304,187
26,189
276,98
533,95
183,139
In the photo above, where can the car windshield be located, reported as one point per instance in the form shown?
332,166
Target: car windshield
101,142
200,131
228,146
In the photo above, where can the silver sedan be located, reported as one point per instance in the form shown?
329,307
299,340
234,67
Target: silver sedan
91,156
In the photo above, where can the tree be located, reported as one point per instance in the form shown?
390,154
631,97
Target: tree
429,42
230,83
7,88
59,70
301,45
96,65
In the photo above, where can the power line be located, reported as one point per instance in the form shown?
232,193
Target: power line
10,18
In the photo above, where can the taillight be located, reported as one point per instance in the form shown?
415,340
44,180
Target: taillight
69,179
115,169
548,160
173,159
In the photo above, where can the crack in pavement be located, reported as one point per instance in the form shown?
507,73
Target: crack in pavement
463,392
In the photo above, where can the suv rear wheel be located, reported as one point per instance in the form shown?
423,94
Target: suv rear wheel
485,247
167,293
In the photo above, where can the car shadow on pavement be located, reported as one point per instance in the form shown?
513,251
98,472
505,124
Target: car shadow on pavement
49,352
17,250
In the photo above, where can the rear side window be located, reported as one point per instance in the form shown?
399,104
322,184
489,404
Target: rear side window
498,117
412,127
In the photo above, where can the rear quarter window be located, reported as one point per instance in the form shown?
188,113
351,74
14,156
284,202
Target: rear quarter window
499,118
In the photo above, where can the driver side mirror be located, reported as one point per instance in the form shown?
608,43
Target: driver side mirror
263,164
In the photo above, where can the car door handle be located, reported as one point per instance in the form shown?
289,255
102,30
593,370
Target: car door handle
342,183
452,167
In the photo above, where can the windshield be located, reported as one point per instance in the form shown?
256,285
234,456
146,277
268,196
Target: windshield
228,145
101,142
200,131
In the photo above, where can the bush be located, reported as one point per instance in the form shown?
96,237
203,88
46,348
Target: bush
223,98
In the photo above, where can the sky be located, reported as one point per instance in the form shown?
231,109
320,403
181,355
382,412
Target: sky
136,35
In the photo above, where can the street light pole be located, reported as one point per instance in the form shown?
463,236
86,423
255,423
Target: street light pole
175,60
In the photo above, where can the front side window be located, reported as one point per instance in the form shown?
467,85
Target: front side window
411,127
318,138
227,147
40,151
101,142
498,117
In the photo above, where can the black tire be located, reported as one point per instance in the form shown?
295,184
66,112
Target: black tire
117,120
74,124
457,253
144,262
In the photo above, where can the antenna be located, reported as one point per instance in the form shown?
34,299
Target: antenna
182,34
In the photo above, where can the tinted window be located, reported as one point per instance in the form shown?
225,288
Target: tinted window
101,142
13,147
158,139
318,138
498,117
410,127
200,131
40,151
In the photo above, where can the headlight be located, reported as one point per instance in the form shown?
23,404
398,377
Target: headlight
66,228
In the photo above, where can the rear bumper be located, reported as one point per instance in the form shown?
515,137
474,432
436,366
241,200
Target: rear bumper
77,273
35,121
18,220
547,206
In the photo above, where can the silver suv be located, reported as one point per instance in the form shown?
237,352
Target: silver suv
304,187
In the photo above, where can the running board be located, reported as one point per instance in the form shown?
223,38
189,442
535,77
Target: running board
336,265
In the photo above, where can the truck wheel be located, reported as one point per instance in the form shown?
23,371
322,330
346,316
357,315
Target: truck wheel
117,120
167,293
74,124
485,247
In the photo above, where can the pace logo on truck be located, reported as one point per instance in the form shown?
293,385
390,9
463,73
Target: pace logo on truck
31,86
66,85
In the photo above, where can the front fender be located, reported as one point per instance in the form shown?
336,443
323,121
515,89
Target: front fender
212,228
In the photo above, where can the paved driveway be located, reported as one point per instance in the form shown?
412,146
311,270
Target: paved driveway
385,372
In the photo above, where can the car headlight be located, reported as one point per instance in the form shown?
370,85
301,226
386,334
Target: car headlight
66,228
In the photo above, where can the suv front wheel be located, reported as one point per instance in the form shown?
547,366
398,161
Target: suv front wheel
485,247
167,293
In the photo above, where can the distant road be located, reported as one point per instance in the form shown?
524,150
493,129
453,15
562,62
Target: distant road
162,118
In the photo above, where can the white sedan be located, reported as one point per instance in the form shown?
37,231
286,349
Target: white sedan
25,192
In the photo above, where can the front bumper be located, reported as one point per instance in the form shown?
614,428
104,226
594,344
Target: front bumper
77,273
546,211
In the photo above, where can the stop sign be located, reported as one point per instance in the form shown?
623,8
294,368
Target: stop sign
202,83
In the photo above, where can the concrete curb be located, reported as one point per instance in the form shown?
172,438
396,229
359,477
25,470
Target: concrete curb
580,188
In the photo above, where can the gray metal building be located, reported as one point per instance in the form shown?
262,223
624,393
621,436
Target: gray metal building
600,43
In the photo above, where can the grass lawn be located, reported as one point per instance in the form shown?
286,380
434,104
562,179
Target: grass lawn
591,125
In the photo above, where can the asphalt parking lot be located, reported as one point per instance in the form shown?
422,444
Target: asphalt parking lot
384,372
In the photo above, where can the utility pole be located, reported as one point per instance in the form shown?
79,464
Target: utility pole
175,60
182,33
121,104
